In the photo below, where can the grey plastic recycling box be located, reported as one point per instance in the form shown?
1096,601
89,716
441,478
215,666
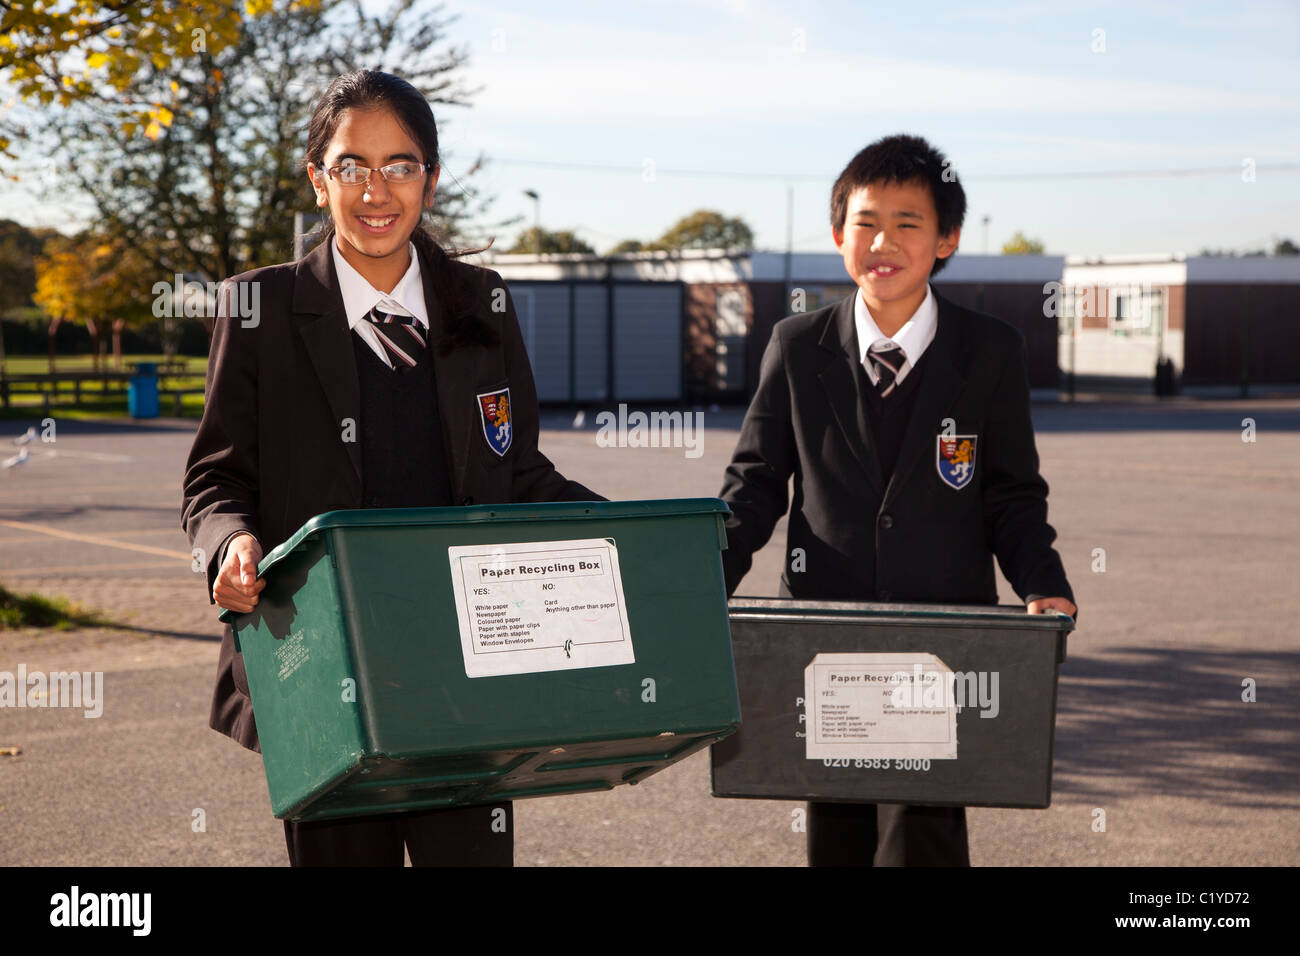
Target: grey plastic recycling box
427,657
943,705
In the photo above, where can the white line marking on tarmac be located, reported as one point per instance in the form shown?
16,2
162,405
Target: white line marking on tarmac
29,492
28,539
67,569
95,539
96,455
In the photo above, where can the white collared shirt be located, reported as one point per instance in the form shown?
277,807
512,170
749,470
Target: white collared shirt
359,297
913,338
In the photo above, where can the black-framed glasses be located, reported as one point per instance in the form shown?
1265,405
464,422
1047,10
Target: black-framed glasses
350,174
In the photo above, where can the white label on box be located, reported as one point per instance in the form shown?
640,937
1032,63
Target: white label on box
540,606
879,705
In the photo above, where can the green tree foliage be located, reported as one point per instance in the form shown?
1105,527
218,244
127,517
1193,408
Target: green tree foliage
550,242
1022,245
628,245
702,229
19,247
706,229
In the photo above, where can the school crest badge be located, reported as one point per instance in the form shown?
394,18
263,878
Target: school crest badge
955,459
494,410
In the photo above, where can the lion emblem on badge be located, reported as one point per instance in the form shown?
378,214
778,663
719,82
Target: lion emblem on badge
955,459
494,412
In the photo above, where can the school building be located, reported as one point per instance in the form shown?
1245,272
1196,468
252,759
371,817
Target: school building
691,327
1220,320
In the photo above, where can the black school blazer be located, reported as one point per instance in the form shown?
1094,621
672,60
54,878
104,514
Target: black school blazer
919,539
269,453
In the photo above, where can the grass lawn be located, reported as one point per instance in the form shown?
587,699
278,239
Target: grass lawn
99,399
40,364
35,610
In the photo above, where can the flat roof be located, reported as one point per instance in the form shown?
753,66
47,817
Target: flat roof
716,265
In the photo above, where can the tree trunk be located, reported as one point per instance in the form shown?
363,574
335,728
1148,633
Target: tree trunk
118,326
4,389
54,329
93,326
171,329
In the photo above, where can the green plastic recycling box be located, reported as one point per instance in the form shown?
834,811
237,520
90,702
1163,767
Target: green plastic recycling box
430,657
929,704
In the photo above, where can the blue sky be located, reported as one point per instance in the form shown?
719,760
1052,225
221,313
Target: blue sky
783,89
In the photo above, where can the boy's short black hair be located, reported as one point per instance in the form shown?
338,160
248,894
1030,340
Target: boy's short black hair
900,159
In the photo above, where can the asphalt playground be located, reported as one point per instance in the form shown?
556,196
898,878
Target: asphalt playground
1201,538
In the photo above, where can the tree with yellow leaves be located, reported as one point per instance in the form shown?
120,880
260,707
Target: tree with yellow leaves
211,189
60,53
1022,245
60,289
99,280
122,278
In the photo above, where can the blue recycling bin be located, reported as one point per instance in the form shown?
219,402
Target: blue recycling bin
142,393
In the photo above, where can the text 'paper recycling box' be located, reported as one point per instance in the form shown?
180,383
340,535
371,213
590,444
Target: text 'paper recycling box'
944,705
427,657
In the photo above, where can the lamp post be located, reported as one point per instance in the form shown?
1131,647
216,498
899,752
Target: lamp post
537,219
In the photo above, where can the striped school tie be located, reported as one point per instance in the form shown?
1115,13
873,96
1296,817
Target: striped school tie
887,359
401,336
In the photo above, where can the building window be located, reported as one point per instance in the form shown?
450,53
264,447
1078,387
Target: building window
731,312
1155,309
1136,311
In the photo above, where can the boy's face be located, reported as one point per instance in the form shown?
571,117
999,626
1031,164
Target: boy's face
890,239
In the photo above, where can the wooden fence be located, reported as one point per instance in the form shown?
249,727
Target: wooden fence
48,385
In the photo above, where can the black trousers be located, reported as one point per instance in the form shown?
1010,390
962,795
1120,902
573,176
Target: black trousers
886,834
459,836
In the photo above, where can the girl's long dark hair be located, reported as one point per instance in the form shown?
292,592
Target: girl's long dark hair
458,288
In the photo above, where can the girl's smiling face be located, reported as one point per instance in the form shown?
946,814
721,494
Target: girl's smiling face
373,222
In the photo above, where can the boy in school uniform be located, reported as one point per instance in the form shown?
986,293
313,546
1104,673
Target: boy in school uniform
905,421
